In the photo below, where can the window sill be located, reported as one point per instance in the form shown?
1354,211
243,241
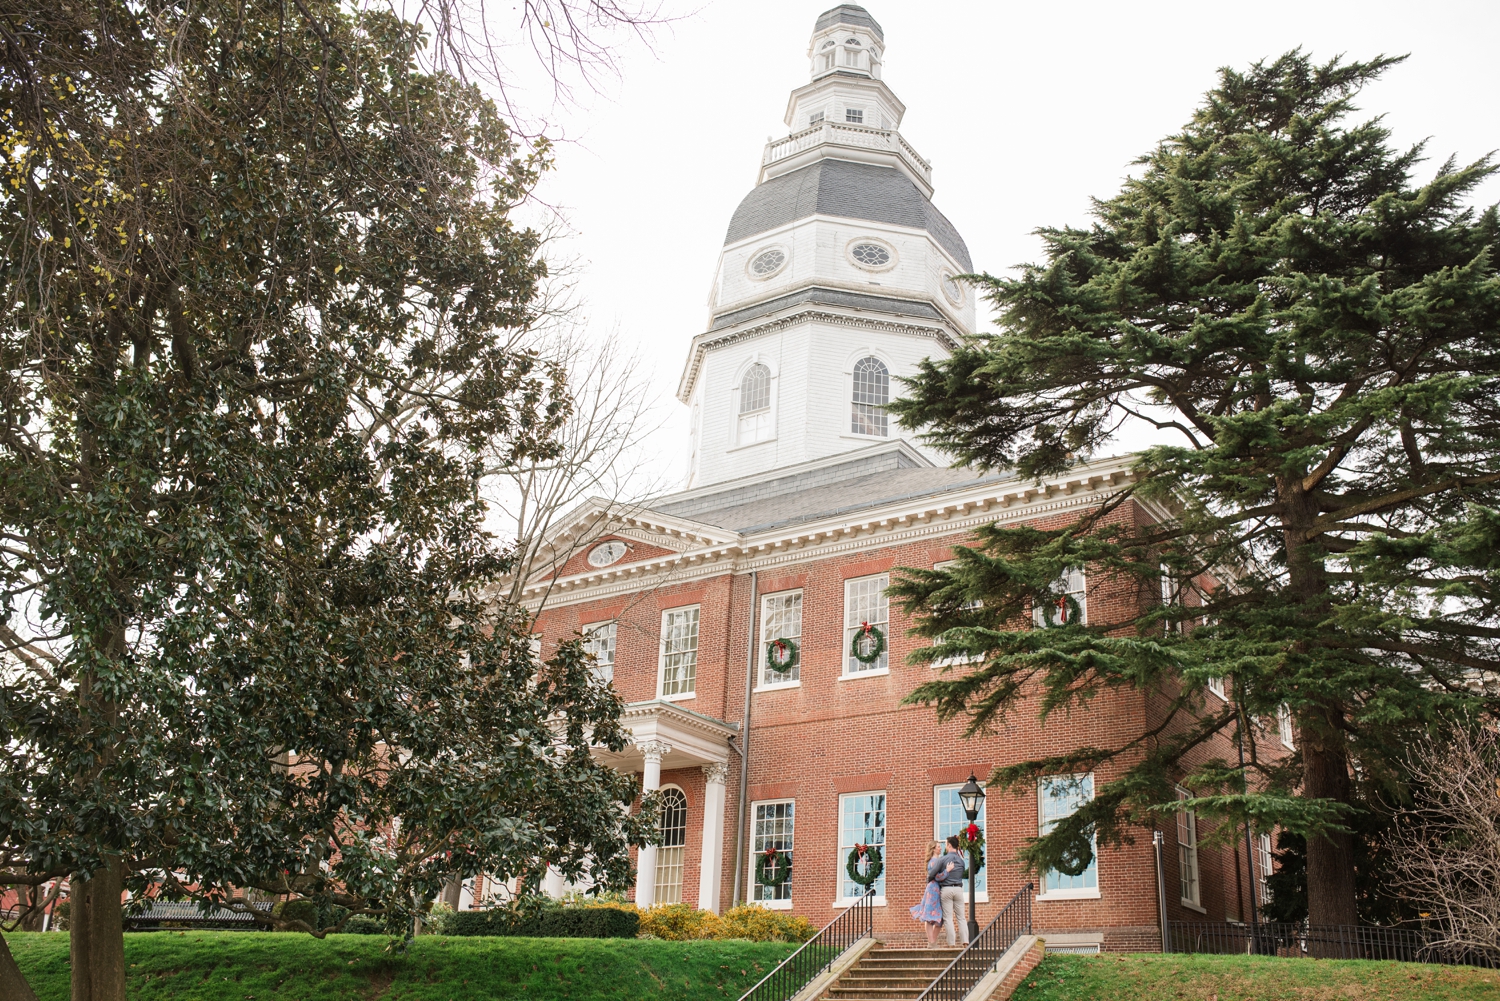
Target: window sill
772,905
1194,907
851,901
1091,894
864,674
777,686
750,444
681,697
850,435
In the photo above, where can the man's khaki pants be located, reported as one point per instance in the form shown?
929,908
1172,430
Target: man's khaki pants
953,913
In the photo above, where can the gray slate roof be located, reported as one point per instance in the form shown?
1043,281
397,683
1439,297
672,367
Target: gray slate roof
829,297
848,13
848,189
864,482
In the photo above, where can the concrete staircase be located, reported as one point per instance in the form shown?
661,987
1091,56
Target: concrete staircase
890,975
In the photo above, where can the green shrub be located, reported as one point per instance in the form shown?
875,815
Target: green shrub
364,924
758,924
317,914
558,922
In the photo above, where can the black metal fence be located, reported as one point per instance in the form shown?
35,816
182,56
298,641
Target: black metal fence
981,955
159,914
817,953
1410,945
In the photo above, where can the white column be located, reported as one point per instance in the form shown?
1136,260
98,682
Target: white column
645,871
711,867
553,884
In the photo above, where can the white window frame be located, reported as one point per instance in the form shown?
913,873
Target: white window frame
848,428
816,118
970,605
1216,685
854,116
763,417
981,882
1265,865
1075,582
682,865
1285,727
1189,876
784,904
843,852
1066,893
767,634
853,668
603,671
661,661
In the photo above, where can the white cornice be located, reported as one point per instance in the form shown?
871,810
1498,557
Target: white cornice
938,514
800,313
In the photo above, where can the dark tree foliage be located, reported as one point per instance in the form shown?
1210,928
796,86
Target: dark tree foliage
259,269
1321,337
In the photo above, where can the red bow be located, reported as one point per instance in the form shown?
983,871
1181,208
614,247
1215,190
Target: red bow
972,831
866,627
860,851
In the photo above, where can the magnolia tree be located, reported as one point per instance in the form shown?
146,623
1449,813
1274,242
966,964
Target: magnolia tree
260,292
1316,337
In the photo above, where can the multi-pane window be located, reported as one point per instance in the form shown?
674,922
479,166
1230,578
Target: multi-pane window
855,115
816,118
1171,595
679,651
772,828
780,619
1285,728
872,391
1059,797
948,818
866,611
828,60
1187,851
861,822
671,845
1216,685
755,405
973,604
1263,866
1065,602
599,640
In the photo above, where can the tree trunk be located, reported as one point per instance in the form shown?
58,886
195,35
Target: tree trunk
1325,761
13,986
451,893
97,920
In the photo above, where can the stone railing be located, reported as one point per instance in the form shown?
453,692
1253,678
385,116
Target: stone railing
845,134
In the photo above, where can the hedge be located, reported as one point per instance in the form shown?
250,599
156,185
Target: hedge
564,922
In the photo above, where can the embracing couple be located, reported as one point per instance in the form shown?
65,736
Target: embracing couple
942,903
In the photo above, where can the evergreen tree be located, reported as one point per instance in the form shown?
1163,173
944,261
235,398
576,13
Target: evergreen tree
260,279
1318,339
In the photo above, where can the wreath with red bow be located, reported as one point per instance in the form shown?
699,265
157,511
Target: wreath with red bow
773,867
782,655
867,631
872,871
971,843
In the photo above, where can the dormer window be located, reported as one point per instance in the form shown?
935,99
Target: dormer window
856,115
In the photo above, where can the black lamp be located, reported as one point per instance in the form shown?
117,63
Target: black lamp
972,798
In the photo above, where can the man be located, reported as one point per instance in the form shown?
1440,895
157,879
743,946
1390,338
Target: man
951,891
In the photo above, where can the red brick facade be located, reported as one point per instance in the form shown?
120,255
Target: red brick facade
835,734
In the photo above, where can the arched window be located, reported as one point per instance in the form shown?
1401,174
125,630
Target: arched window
755,405
671,846
872,391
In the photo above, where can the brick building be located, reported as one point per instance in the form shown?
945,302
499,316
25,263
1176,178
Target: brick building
838,276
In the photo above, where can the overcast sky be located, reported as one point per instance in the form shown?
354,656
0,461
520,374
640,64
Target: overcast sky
1024,111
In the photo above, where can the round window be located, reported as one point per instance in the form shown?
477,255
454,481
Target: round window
953,290
871,255
767,262
606,553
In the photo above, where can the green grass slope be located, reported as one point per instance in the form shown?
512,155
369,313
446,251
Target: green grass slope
246,966
1250,978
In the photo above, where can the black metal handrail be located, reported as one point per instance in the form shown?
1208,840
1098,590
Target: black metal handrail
818,953
1272,938
980,956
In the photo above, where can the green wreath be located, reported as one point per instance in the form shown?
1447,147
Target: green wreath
872,872
764,868
1051,603
1075,858
867,630
971,843
784,647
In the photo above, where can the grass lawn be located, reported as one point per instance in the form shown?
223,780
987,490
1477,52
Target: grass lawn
251,966
1250,978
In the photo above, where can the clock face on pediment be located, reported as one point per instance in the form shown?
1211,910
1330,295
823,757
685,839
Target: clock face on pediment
606,553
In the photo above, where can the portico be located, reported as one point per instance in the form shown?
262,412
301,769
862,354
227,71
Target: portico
668,737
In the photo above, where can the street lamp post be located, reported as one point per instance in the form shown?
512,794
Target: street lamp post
972,798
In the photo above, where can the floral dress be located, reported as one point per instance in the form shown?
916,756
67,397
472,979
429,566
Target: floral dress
930,910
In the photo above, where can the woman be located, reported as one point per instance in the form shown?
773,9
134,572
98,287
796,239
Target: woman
930,910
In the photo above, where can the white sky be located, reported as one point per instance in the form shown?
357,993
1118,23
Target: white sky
1024,111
